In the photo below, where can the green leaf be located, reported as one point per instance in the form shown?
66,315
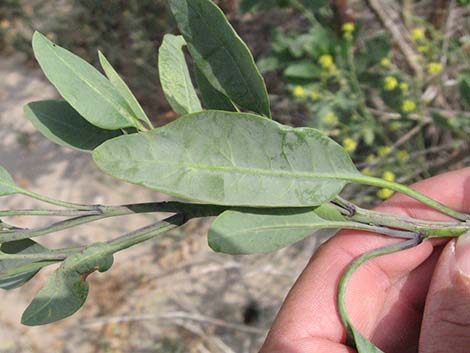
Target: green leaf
82,86
123,89
7,184
231,159
303,70
220,54
212,98
62,124
9,278
174,76
250,231
67,289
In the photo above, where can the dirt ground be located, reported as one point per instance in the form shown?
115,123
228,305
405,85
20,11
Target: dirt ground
171,294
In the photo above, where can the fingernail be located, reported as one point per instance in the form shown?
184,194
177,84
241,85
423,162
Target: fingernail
462,254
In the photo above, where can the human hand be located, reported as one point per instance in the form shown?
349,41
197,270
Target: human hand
417,300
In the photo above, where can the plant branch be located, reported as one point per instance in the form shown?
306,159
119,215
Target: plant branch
341,299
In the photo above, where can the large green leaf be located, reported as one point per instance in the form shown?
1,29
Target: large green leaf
7,184
175,78
212,98
123,89
82,86
220,53
67,289
9,278
252,231
62,124
231,159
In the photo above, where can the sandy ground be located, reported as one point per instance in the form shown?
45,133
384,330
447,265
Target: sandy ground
168,295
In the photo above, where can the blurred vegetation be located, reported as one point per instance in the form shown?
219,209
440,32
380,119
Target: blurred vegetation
397,122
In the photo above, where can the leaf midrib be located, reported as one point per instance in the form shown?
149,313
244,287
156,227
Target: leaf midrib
252,171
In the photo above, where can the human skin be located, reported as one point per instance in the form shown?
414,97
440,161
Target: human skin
417,300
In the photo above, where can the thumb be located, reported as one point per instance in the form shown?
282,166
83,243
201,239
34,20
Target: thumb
446,319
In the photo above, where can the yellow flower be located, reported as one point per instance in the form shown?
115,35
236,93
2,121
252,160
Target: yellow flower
349,144
402,155
388,175
367,172
385,62
330,118
298,91
314,96
384,150
390,83
423,48
370,157
434,68
408,106
384,193
326,61
348,27
395,125
417,34
404,87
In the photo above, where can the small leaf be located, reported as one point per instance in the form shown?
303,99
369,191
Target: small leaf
232,159
61,124
9,278
82,86
220,54
123,89
303,70
175,78
212,98
67,289
7,184
250,231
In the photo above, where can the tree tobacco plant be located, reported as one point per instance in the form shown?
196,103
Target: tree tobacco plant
268,185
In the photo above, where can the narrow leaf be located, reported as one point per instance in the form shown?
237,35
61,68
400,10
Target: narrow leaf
9,278
212,98
62,124
303,70
7,184
231,159
67,289
123,89
251,231
221,54
82,86
175,78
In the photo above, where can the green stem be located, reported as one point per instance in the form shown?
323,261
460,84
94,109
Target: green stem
427,229
59,254
55,202
341,299
194,210
146,233
367,180
48,213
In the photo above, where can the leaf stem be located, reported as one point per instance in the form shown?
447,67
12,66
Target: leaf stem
367,180
143,234
52,201
194,210
341,299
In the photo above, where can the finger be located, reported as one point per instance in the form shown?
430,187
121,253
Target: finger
446,320
310,308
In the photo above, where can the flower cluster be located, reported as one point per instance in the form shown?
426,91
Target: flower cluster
348,30
327,63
